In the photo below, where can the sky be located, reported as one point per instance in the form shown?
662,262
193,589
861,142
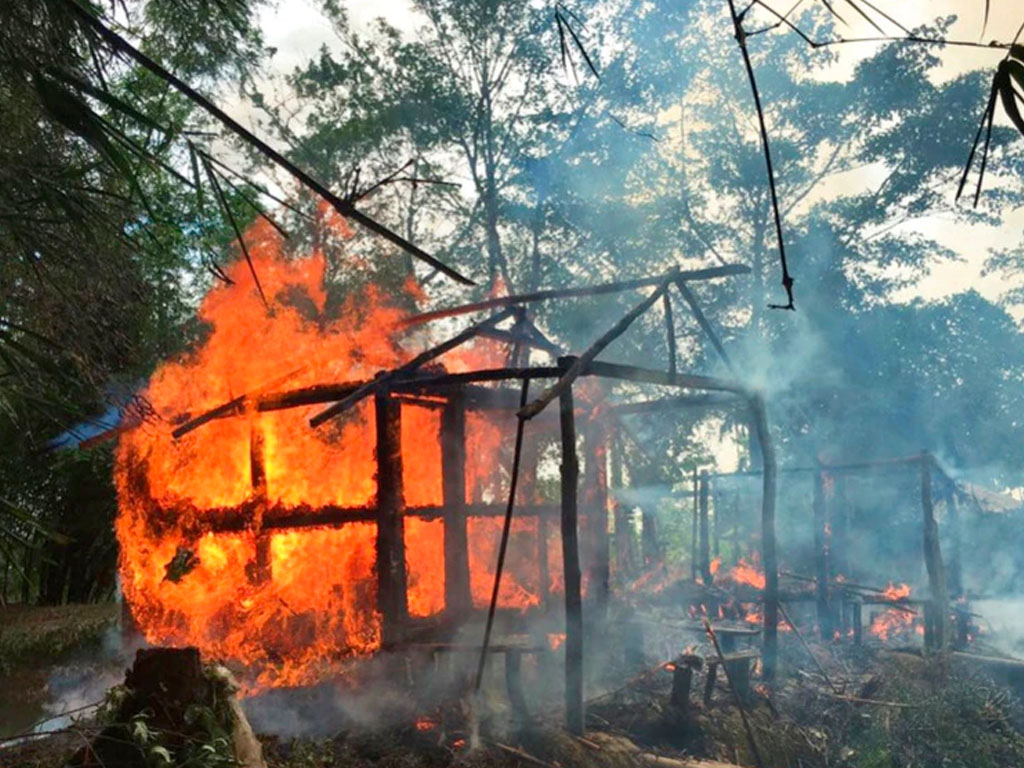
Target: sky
296,29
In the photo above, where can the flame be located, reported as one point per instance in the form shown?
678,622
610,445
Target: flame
287,602
716,563
748,573
555,640
894,622
426,724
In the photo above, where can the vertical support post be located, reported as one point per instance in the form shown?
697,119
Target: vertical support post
528,493
705,543
391,576
821,554
258,569
457,600
694,555
649,538
625,556
933,557
956,583
571,563
857,620
769,652
716,531
595,443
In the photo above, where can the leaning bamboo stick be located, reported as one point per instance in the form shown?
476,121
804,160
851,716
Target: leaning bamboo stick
581,362
424,357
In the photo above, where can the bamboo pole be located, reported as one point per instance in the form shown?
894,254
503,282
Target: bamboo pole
821,555
506,529
694,557
574,707
705,543
768,557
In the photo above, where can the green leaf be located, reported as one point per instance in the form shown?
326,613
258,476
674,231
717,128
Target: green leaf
162,753
107,98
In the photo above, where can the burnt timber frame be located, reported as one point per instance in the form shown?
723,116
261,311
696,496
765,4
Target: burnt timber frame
459,393
943,577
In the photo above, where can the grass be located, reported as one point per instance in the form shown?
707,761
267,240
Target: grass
36,636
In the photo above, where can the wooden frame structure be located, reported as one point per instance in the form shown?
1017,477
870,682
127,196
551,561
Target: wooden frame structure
456,393
944,574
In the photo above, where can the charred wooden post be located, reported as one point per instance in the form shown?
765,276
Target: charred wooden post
603,583
595,506
258,570
514,683
933,558
571,564
956,585
705,542
528,492
857,619
633,645
821,553
694,556
457,599
771,569
716,531
625,556
682,681
649,542
391,575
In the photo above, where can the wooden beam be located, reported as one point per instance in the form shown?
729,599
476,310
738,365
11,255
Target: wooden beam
664,378
391,574
457,598
670,331
578,364
704,324
574,706
617,286
660,404
384,378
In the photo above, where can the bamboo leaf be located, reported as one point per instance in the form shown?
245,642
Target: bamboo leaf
1009,96
107,98
986,117
234,225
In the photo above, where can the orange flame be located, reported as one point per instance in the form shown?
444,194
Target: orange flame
287,602
748,573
